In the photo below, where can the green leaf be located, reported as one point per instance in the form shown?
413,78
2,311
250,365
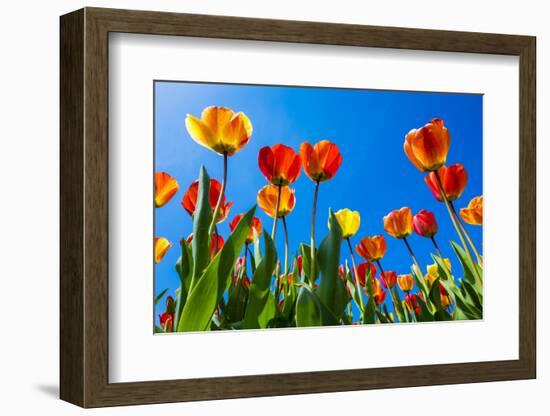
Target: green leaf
467,265
201,223
208,290
159,296
442,269
308,308
435,294
184,268
442,315
305,251
473,295
236,300
369,313
260,309
329,291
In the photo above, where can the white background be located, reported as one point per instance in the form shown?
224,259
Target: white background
29,210
135,60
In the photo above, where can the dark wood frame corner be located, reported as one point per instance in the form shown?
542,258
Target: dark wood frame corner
84,207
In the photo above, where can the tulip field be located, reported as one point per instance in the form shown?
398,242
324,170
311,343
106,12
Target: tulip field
256,268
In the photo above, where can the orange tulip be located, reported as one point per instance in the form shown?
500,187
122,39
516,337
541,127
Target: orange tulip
372,248
473,213
255,229
427,147
267,200
220,129
453,178
398,223
189,201
405,282
280,165
321,162
216,243
388,279
165,188
162,245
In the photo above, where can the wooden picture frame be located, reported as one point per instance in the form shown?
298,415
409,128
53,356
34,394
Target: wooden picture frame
84,207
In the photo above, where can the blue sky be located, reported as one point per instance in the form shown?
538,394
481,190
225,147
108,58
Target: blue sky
369,127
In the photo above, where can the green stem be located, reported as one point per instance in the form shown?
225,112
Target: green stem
479,258
356,276
383,275
286,245
313,214
437,248
412,254
453,219
220,197
276,217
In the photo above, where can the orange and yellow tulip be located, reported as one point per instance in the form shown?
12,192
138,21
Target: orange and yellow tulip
267,200
473,213
280,164
321,162
165,188
189,201
405,282
427,147
453,179
348,220
255,228
388,279
372,248
162,245
445,298
398,223
220,129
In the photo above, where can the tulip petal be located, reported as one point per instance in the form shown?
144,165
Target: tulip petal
165,188
200,131
217,118
236,133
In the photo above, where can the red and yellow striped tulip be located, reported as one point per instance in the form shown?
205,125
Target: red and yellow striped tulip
255,228
424,224
189,201
220,129
427,147
321,162
267,200
473,213
453,179
162,245
372,248
405,282
165,188
280,164
398,223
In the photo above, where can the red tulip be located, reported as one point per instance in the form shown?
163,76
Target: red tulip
453,179
362,272
253,233
189,201
321,162
216,243
280,164
424,224
166,321
412,303
388,279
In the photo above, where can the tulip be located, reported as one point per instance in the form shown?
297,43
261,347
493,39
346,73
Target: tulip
166,321
280,165
427,147
245,281
162,245
362,270
379,297
299,265
372,248
349,222
267,200
388,279
220,129
165,188
189,201
321,162
446,300
255,228
405,282
424,224
398,223
412,303
170,305
452,179
216,243
473,213
433,271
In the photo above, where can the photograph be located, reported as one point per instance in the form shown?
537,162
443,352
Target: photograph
290,206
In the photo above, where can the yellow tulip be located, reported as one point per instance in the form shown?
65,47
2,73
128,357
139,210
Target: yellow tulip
349,222
220,129
162,245
433,271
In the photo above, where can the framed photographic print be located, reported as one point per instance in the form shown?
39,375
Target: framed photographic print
244,202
